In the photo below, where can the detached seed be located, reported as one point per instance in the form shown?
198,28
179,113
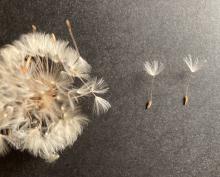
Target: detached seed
185,100
148,104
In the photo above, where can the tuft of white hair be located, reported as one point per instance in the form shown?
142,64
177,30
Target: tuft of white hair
101,105
153,68
4,148
40,95
193,64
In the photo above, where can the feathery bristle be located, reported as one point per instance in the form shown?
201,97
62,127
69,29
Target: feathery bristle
193,64
101,105
153,68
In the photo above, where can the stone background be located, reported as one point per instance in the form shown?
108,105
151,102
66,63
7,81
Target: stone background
116,37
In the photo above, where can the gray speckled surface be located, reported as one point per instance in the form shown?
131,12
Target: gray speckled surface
116,37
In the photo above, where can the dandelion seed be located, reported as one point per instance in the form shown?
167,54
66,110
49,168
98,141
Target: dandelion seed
53,37
40,95
95,86
34,28
153,69
69,26
194,65
4,148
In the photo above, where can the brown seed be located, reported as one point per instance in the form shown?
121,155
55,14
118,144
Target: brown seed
24,68
34,28
148,104
68,24
36,98
185,100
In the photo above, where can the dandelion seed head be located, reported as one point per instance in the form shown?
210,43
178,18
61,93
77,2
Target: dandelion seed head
40,96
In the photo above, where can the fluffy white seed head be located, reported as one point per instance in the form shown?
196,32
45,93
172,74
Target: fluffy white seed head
42,81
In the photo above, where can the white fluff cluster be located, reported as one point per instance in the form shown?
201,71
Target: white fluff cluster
41,83
153,68
193,64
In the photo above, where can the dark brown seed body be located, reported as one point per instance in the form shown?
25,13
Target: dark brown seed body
185,100
148,104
